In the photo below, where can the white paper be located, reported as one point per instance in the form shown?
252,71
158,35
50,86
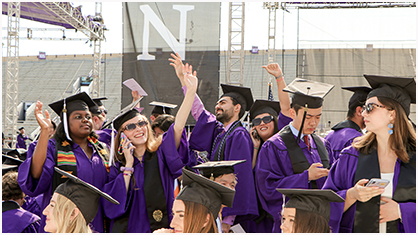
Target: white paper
133,85
237,229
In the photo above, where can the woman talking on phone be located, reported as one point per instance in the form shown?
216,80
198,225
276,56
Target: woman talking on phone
387,151
143,169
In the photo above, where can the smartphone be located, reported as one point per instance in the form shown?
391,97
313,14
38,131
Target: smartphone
123,139
381,183
255,135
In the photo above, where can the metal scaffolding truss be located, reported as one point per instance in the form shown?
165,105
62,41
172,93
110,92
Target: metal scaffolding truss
235,58
319,5
13,23
271,50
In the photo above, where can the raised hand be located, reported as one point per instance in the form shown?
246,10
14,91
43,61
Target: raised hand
256,141
178,66
190,78
273,69
43,121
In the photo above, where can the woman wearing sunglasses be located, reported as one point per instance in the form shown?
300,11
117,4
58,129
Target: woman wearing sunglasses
143,169
387,152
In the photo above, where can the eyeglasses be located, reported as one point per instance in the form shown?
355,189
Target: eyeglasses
266,119
103,111
132,126
370,106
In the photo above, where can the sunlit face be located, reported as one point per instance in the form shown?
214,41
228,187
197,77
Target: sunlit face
50,223
227,180
379,118
139,135
288,219
224,109
177,223
264,130
158,132
80,123
313,117
102,108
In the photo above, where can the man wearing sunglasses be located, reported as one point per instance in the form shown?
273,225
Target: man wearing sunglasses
295,157
343,133
224,138
98,114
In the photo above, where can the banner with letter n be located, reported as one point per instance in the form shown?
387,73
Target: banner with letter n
154,30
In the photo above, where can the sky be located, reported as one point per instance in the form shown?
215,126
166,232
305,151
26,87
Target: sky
323,28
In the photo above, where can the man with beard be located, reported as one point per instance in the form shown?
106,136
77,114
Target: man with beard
224,138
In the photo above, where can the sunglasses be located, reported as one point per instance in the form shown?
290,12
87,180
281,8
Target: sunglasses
132,126
370,106
103,111
266,119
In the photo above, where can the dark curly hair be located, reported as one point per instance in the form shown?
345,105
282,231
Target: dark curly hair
11,189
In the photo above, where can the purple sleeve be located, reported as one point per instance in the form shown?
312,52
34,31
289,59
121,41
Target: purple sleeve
340,179
32,228
329,150
409,214
27,183
116,188
274,170
229,219
174,159
197,107
205,132
283,121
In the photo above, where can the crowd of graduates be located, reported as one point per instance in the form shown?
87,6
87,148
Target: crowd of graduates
133,174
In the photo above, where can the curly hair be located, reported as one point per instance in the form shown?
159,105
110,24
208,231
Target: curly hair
11,189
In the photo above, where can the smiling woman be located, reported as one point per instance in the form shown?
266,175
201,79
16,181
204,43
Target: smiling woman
74,148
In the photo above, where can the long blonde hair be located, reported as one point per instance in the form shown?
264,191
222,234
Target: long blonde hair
401,141
195,215
62,213
152,143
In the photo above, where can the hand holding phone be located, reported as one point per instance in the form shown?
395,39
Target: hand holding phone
381,183
123,140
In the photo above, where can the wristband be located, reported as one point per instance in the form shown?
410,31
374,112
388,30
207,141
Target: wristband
281,76
127,174
131,169
256,148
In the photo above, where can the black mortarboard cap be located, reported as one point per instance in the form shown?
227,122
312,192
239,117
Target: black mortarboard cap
360,94
79,101
10,163
206,192
125,114
214,169
162,108
243,95
21,128
98,101
400,89
308,92
264,106
84,195
312,200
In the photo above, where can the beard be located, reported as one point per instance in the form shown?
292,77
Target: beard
224,117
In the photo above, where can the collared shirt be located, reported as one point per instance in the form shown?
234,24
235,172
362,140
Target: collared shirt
296,131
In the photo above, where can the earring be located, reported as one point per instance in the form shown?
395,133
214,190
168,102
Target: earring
390,128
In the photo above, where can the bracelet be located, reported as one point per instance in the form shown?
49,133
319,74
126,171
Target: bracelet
127,174
281,76
256,148
131,169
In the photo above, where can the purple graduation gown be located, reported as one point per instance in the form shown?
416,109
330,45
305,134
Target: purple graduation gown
274,170
340,138
32,204
92,171
21,141
170,163
341,178
283,121
105,136
238,146
20,221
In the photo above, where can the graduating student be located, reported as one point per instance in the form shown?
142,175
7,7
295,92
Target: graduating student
15,219
160,108
222,172
162,123
198,204
295,157
307,210
21,138
386,151
343,133
73,206
74,148
224,138
144,168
